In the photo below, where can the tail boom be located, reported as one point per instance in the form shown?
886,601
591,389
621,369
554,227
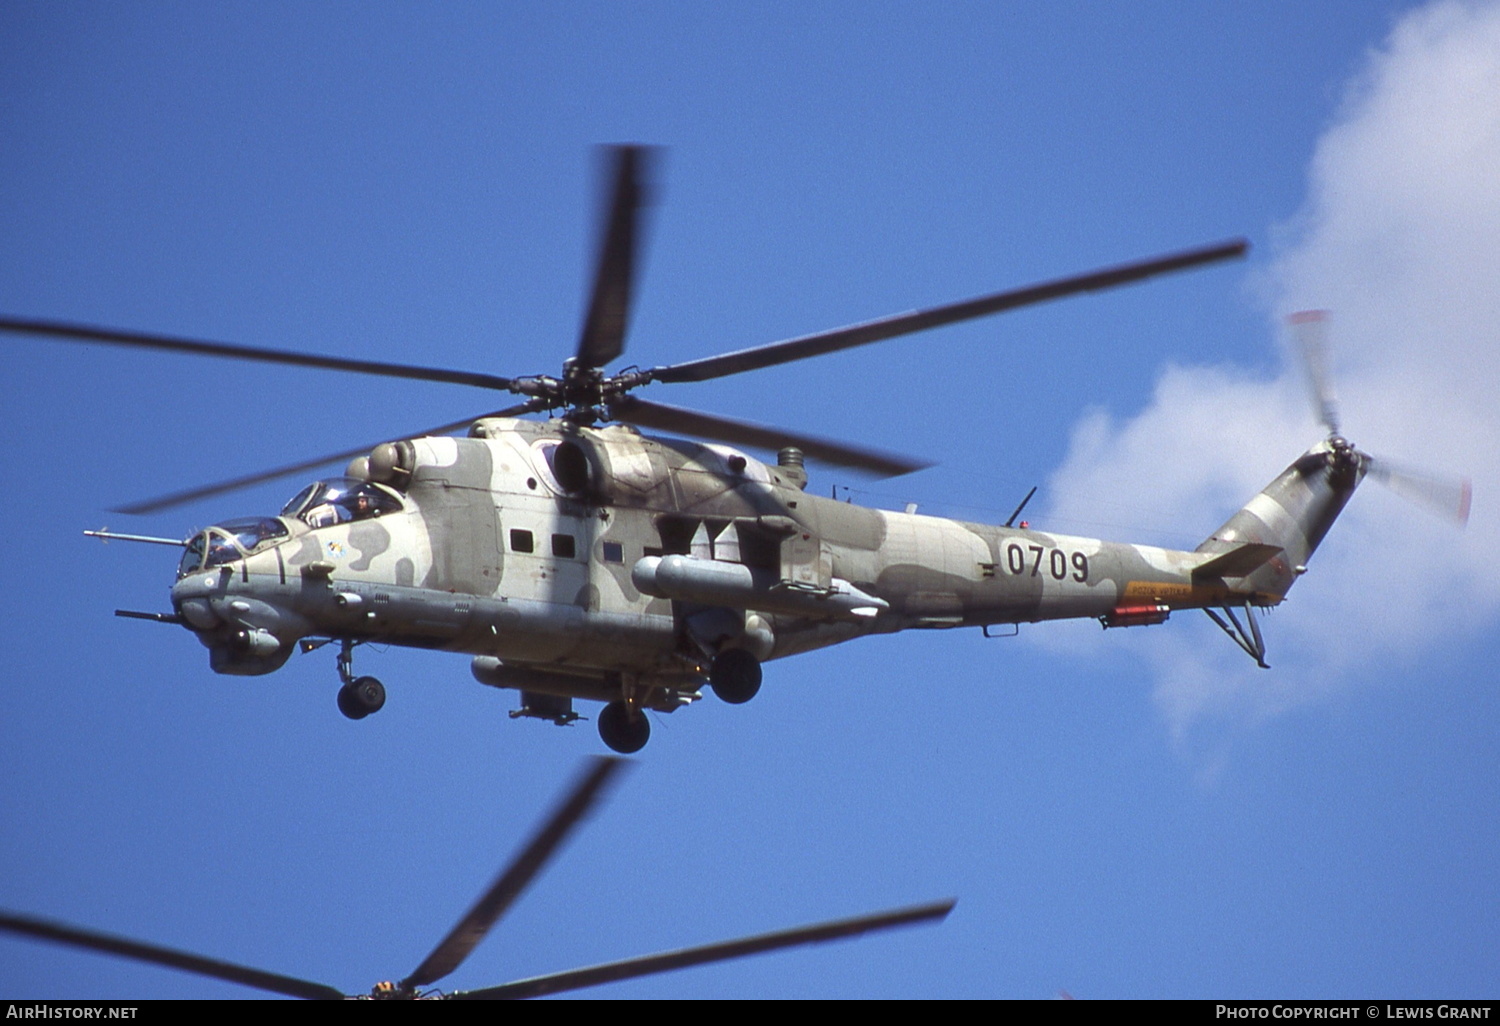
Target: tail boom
1262,549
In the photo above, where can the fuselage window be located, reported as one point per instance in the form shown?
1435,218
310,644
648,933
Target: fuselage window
562,546
614,552
520,541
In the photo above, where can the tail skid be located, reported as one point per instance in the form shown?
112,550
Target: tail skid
1262,549
1251,641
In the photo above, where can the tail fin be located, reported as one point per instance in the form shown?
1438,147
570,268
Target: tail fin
1263,548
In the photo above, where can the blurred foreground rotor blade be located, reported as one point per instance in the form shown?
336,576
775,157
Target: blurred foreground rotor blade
738,432
1311,329
79,938
952,313
1448,497
189,495
603,337
471,929
645,965
141,340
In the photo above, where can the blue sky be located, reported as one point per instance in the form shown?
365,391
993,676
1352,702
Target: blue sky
1121,814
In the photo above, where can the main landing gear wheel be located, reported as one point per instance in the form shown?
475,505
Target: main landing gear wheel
361,698
623,729
735,676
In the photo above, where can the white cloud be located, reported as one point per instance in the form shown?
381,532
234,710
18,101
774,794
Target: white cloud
1400,237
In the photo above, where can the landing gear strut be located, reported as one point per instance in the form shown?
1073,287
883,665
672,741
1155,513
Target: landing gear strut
735,676
624,729
359,696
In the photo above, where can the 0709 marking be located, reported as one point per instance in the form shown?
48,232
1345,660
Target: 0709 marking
1057,562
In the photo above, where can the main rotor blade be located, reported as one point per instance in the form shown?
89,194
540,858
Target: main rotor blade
140,340
646,965
191,494
603,337
1448,497
738,432
1311,329
952,313
471,929
61,933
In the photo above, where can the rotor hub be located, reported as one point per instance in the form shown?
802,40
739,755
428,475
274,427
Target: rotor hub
1342,454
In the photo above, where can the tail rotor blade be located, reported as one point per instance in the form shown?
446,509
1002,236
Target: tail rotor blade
1311,330
1448,497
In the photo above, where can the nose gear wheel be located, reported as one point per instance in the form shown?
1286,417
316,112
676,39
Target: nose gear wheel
359,696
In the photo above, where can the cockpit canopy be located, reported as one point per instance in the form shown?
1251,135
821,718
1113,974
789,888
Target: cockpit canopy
231,540
340,500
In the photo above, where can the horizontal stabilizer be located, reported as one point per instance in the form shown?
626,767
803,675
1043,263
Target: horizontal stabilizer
1240,561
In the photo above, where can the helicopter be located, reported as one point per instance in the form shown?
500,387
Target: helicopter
577,558
592,785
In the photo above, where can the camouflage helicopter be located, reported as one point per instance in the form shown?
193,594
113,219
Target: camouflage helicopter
576,558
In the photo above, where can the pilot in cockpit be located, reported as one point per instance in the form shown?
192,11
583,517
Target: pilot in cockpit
324,514
339,501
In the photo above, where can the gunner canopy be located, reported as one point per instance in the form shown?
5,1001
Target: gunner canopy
229,541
